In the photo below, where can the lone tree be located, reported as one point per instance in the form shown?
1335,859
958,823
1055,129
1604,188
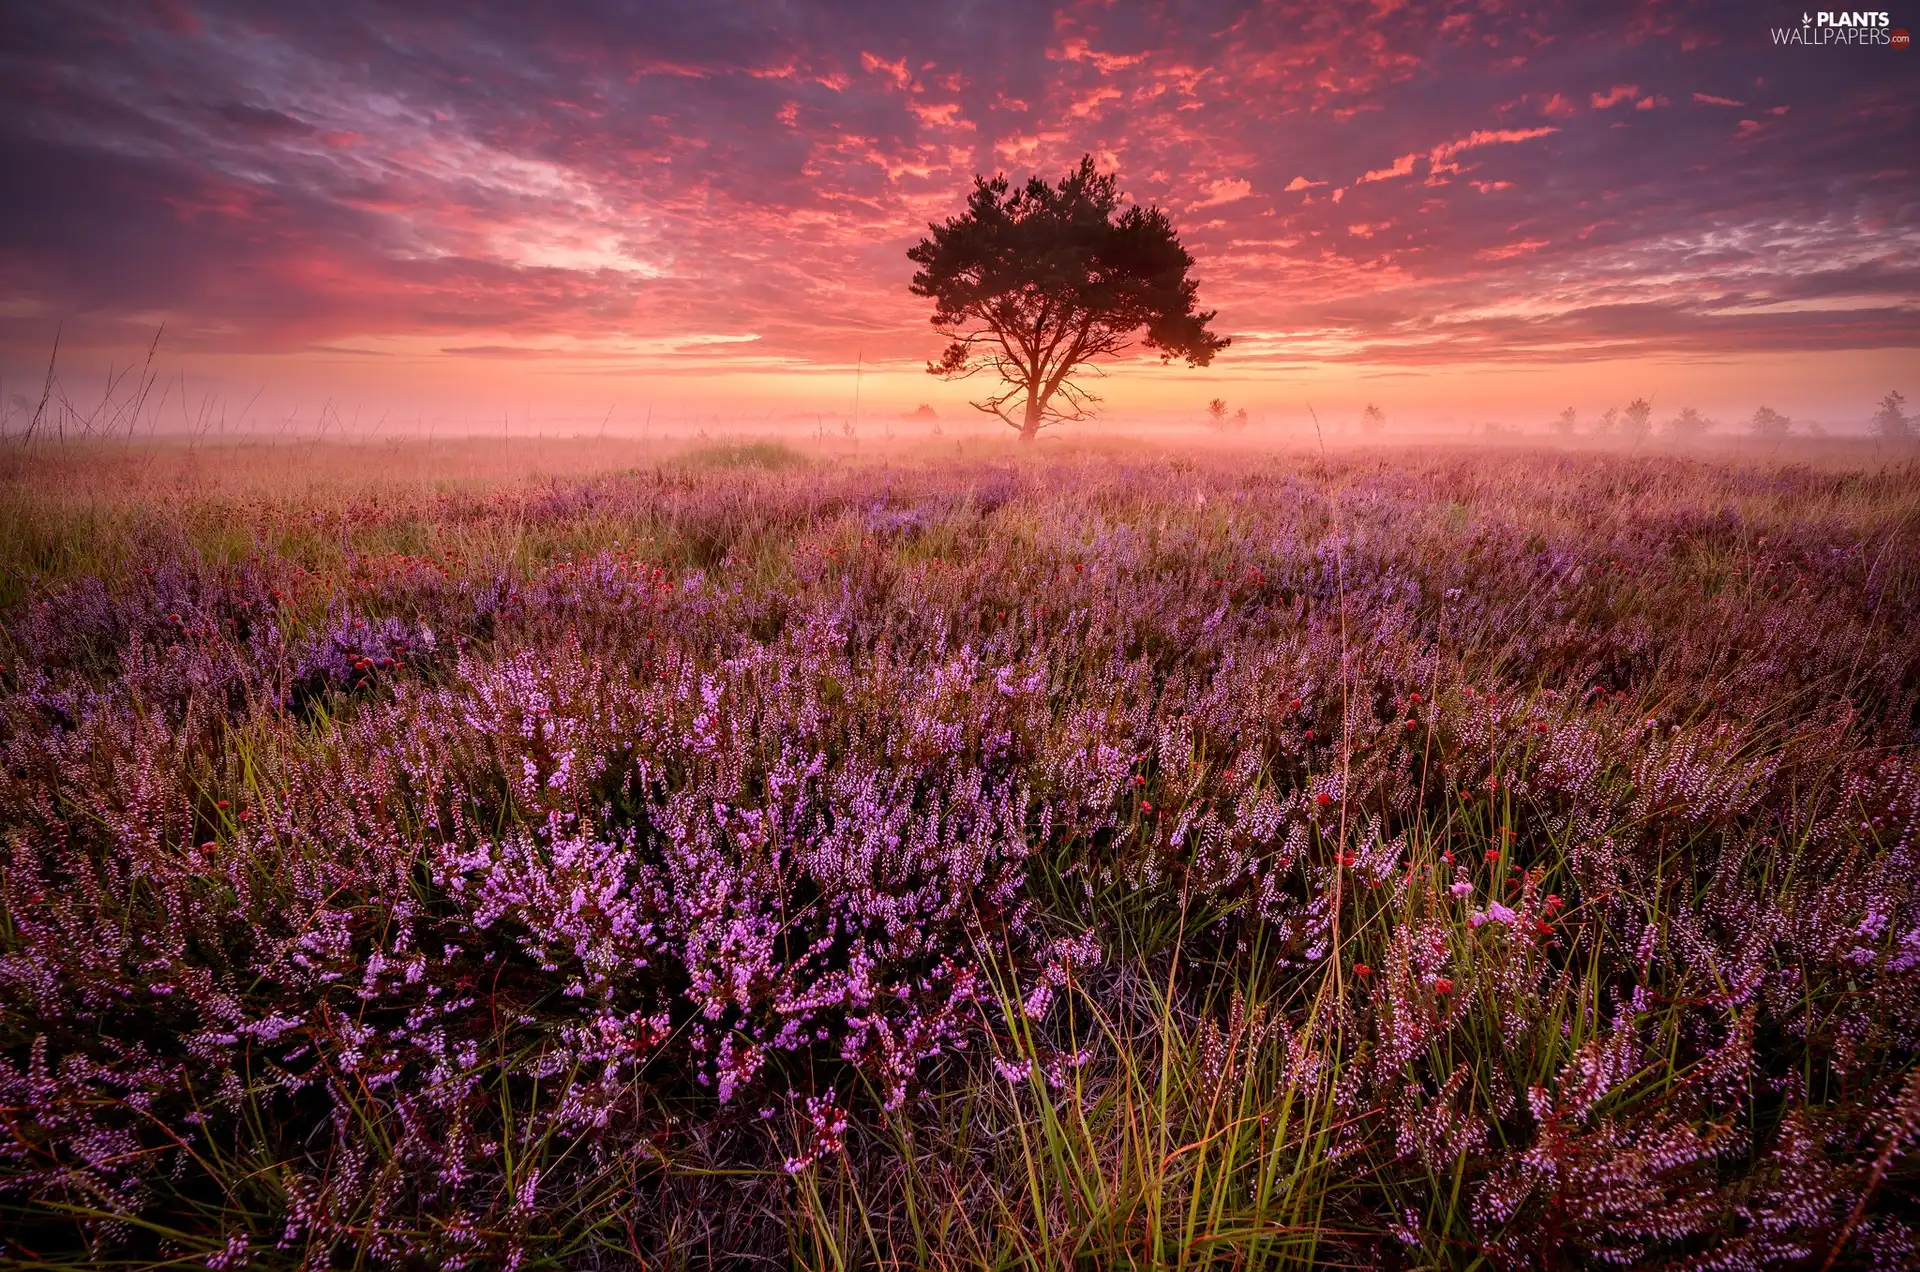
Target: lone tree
1033,284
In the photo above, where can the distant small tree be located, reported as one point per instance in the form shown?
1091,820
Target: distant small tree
1033,284
1220,421
1566,422
1891,422
1769,423
1637,420
1689,424
1373,419
1609,422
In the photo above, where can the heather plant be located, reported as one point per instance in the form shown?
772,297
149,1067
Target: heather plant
1411,860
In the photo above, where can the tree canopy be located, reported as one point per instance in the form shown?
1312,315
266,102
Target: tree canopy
1033,284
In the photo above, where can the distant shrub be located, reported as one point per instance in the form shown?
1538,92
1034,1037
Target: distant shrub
1769,423
1220,420
1636,422
1689,424
1890,422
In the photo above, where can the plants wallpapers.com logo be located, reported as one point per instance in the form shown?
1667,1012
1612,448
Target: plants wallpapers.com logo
1847,28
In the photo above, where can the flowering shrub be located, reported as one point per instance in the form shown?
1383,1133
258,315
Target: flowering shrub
1549,831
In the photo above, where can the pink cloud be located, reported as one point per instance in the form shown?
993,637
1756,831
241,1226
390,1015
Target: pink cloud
1224,191
1708,99
1403,166
895,70
1441,157
1508,251
1619,93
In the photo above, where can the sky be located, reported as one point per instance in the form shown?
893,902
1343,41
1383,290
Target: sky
504,209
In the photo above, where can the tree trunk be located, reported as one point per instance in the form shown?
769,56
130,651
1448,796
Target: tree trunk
1030,428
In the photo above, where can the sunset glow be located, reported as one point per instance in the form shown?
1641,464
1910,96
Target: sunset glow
1473,208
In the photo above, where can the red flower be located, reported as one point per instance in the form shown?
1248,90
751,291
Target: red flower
1294,705
1441,985
1362,970
1323,799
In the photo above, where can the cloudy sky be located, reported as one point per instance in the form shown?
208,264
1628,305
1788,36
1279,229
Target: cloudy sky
1470,206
